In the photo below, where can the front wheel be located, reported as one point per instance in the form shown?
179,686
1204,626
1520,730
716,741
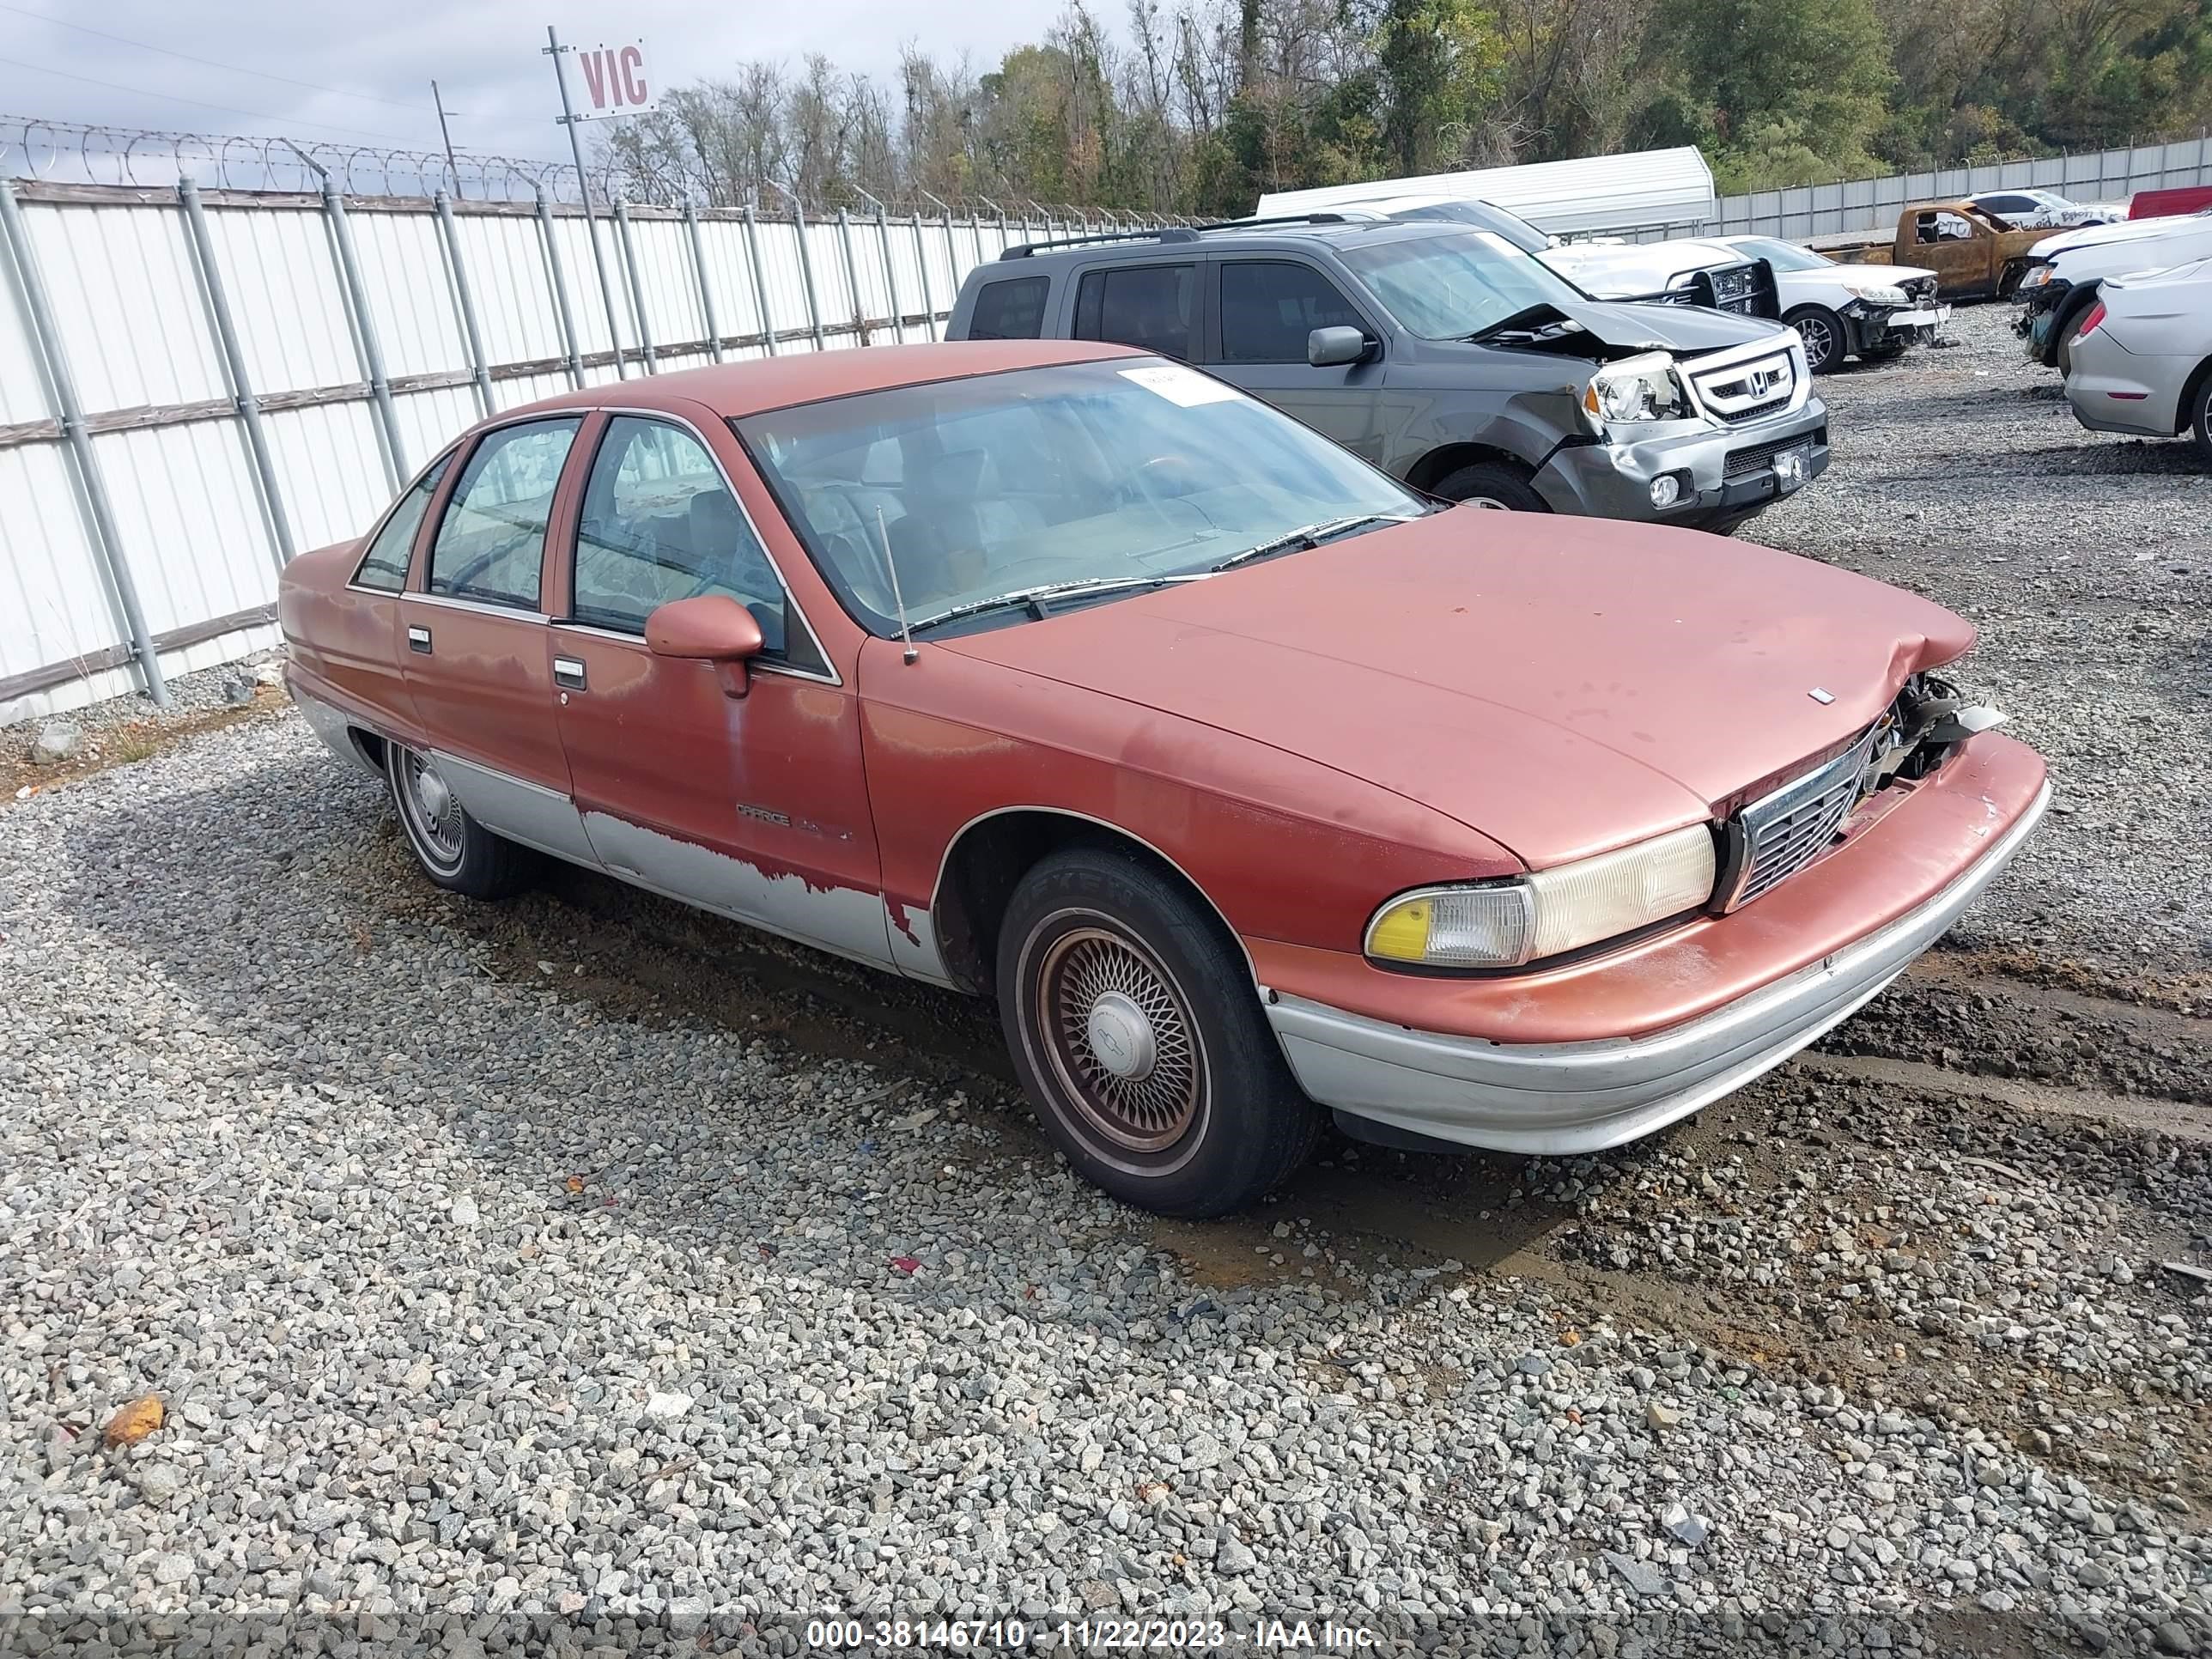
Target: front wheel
1822,332
1135,1028
2201,422
1488,483
454,850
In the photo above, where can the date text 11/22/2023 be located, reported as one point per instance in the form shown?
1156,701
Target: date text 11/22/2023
1086,1635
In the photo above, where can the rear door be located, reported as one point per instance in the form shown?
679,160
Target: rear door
475,656
1264,309
753,806
1153,304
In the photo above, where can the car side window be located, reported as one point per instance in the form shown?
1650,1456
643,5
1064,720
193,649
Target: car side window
1012,308
1268,307
491,543
384,566
1149,305
659,523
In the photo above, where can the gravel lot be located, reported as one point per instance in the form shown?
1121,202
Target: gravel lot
586,1273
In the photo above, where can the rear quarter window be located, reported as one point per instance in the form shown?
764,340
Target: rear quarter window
1010,308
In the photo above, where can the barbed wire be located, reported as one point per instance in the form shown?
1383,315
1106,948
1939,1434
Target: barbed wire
79,152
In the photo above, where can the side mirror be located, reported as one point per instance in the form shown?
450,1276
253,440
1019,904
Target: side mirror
709,628
1329,348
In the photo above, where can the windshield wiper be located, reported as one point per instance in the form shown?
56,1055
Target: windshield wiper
1521,321
1312,535
1040,602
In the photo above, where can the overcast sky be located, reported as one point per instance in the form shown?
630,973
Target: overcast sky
363,75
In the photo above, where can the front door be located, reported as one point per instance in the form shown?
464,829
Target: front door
1960,251
1266,309
476,658
753,806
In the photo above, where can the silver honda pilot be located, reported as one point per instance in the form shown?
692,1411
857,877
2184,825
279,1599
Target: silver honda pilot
1445,354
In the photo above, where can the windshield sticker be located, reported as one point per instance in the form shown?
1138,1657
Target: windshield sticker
1179,385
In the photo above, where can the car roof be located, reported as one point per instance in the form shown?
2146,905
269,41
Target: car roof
1233,238
736,390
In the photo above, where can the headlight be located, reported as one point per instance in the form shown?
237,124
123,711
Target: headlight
1644,388
1504,924
2036,277
1880,294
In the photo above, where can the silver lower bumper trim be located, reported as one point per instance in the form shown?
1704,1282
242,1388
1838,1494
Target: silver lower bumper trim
330,724
1571,1097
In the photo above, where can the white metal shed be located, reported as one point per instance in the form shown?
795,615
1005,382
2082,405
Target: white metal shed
1649,190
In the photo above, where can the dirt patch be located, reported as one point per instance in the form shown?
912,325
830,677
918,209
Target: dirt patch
132,740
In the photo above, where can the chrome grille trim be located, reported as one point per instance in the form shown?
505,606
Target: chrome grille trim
1744,391
1780,834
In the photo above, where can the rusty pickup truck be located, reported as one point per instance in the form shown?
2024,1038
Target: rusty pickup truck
1974,253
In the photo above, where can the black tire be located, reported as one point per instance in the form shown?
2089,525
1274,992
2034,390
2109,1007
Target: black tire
1491,484
1213,1121
454,850
2200,422
1826,341
1884,353
2068,330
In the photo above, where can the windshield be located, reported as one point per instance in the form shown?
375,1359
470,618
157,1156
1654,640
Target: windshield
1456,283
1783,256
1130,471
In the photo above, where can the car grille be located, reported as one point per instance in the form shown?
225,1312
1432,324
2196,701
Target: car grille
1780,834
1756,458
1745,391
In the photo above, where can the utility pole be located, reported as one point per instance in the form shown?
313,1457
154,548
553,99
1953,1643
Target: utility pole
453,168
569,119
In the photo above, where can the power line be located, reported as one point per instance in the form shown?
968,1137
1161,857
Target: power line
210,63
199,103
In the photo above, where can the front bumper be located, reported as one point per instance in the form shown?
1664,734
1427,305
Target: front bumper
1878,329
1728,472
1564,1098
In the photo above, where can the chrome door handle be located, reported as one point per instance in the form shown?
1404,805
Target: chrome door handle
568,673
419,640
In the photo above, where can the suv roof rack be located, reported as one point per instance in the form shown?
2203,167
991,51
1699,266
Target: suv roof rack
1180,232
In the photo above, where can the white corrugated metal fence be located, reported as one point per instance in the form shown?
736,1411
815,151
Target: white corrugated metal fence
159,501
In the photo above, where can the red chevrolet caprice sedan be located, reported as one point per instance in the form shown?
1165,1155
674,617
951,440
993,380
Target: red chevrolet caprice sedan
1251,783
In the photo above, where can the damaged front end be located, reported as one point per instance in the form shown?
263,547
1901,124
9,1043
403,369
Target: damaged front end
1769,840
1929,718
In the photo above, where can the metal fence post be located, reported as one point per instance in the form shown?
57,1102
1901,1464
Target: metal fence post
560,289
706,287
241,388
464,301
950,265
921,264
806,266
386,421
636,287
91,490
760,280
890,275
851,273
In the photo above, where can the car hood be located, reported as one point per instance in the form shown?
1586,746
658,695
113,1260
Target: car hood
2125,230
1561,685
1613,327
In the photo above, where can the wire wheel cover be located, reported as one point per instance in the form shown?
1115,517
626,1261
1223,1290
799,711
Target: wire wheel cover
1121,1040
433,811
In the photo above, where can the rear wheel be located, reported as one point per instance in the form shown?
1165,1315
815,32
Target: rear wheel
454,850
1822,331
2200,420
1491,483
1135,1028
